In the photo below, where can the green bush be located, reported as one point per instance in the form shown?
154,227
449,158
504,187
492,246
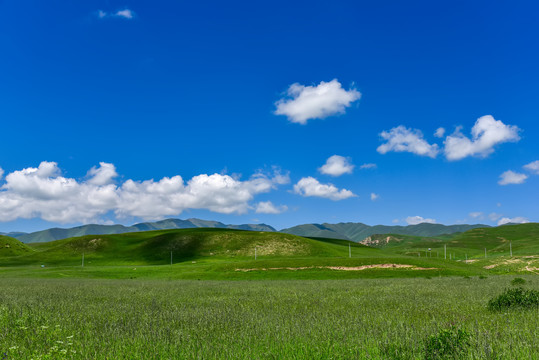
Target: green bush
451,343
514,298
518,281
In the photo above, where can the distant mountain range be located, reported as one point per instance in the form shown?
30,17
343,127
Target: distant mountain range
358,231
347,231
95,229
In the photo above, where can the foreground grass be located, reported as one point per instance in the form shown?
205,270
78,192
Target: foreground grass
323,319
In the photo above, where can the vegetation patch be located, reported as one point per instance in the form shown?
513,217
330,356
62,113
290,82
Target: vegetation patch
515,298
450,343
518,281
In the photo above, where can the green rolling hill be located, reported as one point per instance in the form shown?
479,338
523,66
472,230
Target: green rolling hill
358,231
10,247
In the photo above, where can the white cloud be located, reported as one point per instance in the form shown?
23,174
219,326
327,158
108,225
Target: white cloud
267,207
102,175
336,166
126,13
533,167
486,134
309,186
44,193
414,220
396,221
374,196
477,215
402,139
511,177
1,173
494,216
515,220
368,166
439,133
315,102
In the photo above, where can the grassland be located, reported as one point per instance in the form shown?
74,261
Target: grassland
349,319
301,298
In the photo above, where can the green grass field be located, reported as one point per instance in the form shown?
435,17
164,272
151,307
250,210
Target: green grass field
301,298
322,319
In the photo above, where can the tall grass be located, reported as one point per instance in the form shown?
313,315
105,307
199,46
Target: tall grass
346,319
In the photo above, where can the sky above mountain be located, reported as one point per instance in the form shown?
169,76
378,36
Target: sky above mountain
277,112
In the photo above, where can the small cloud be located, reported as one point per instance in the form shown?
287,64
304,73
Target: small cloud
486,134
374,196
439,133
267,207
515,220
1,173
309,186
511,177
477,215
414,220
126,13
494,216
396,221
499,204
533,167
315,102
402,139
368,166
336,166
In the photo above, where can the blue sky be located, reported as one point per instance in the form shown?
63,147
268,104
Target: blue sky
229,111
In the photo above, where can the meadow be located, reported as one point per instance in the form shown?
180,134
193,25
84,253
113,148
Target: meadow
321,319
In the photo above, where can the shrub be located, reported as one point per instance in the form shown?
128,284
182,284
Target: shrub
518,281
451,343
514,298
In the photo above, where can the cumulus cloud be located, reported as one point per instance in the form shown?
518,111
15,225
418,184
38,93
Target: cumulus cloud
368,166
511,177
402,139
515,220
533,167
486,134
336,166
267,207
414,220
1,173
439,133
374,196
309,186
44,193
315,102
102,175
125,14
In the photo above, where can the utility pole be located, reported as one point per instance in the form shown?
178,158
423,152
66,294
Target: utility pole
349,250
445,251
510,248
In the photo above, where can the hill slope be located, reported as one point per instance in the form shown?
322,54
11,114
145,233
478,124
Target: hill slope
358,231
12,247
155,247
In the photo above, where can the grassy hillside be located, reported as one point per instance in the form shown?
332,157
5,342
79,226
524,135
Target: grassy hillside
155,247
12,247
